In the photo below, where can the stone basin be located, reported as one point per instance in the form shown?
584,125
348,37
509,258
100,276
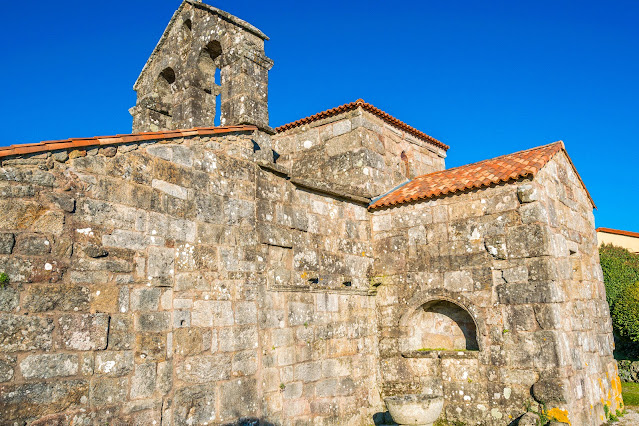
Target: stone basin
414,410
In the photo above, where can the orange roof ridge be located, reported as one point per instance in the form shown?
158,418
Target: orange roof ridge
476,175
45,146
618,232
360,103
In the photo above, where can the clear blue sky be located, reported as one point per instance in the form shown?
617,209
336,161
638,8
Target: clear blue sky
485,77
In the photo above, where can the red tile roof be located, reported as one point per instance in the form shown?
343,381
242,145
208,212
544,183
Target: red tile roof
30,148
367,107
478,175
619,232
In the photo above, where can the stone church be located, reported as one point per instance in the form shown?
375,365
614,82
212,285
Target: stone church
192,274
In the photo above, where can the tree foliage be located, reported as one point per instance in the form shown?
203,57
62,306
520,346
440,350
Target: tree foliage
621,277
620,269
625,314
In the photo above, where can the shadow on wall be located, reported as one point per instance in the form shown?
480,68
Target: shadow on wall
249,421
385,419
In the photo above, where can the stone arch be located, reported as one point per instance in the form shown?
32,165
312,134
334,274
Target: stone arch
209,58
186,31
209,64
455,315
163,90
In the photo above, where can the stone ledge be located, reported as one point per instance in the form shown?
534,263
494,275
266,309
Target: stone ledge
441,354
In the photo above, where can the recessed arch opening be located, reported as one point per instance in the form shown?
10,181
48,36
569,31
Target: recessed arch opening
440,325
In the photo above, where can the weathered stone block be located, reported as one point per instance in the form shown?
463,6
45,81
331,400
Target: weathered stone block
143,381
527,193
161,264
190,341
105,298
47,366
238,338
194,405
548,316
156,321
164,377
145,299
94,251
7,367
551,391
7,241
130,240
537,292
9,299
496,246
245,313
108,391
35,333
458,281
528,241
63,201
84,332
151,346
65,297
121,332
300,313
114,363
244,390
244,363
28,401
308,372
211,313
170,189
205,368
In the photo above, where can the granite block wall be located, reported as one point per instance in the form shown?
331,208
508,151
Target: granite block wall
521,261
177,282
357,153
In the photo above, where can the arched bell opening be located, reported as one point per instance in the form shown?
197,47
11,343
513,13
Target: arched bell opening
209,64
163,91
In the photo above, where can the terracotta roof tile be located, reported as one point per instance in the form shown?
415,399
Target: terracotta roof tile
30,148
484,173
618,232
367,107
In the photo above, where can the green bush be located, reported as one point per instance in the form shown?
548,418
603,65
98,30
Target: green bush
4,279
620,269
625,314
621,275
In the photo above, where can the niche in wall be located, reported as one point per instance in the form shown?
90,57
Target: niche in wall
440,325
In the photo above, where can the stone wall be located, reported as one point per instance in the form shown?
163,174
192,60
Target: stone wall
521,260
588,370
176,282
357,153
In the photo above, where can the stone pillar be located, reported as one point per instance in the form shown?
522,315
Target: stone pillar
245,92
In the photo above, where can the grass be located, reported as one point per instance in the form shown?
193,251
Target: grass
630,393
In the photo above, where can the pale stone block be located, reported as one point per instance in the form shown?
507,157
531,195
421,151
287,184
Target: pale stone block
170,189
47,366
212,313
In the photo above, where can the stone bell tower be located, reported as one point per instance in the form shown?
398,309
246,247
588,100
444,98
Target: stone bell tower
207,64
